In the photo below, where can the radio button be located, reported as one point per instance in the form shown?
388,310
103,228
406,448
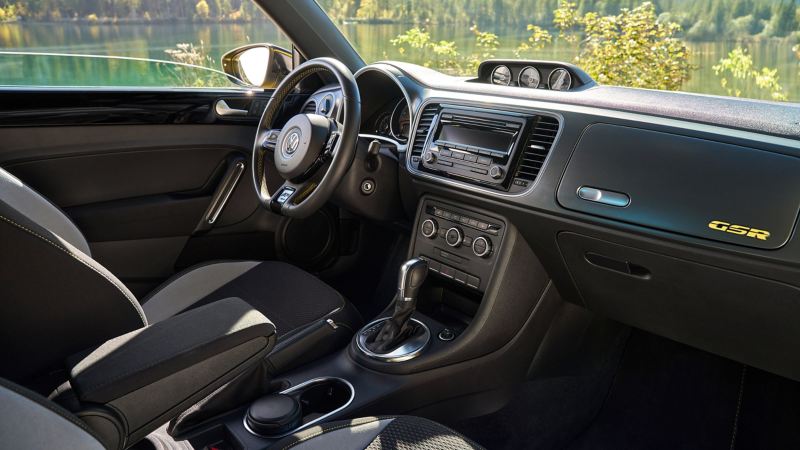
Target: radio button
496,172
470,158
444,152
454,237
458,155
484,160
480,171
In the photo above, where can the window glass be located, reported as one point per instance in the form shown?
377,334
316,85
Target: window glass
155,43
746,48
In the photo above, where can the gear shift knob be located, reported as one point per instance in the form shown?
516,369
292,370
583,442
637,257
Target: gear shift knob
412,274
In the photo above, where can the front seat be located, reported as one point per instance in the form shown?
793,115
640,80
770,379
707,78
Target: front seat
55,300
29,421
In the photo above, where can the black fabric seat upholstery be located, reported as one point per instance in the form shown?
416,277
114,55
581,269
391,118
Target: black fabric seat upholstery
378,433
55,300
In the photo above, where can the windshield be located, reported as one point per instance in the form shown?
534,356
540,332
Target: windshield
741,48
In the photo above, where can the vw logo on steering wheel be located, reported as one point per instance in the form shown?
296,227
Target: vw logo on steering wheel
291,143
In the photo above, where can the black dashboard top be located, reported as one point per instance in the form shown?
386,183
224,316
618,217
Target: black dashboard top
764,117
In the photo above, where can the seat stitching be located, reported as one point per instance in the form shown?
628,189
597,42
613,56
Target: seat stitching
131,300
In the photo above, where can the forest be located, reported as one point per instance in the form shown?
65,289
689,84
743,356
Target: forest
700,20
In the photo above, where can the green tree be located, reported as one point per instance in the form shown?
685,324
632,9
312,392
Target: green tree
631,48
737,74
202,10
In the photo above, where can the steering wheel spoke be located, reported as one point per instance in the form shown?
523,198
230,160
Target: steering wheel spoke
269,138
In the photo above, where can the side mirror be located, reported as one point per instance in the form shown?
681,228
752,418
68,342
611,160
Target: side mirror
257,65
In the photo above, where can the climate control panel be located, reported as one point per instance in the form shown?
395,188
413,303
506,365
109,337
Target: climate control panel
459,244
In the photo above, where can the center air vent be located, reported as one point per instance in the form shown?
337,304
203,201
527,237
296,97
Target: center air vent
421,134
310,108
536,149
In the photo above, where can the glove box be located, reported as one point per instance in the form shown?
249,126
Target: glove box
684,185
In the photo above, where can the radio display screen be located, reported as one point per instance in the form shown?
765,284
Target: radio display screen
476,137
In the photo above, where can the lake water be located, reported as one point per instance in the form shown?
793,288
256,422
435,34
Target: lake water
372,41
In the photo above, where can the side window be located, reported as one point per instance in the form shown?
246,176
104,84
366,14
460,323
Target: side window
126,43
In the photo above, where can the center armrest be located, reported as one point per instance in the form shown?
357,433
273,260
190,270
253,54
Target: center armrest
151,374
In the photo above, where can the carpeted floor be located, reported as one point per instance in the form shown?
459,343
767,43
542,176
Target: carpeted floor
660,395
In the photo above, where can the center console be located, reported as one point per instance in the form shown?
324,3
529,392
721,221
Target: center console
470,310
460,245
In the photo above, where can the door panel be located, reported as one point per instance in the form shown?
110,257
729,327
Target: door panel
137,172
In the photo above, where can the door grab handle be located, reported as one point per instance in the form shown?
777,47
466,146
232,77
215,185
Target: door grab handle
224,192
224,110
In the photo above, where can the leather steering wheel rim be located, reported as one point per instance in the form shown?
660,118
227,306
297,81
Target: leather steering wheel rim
311,195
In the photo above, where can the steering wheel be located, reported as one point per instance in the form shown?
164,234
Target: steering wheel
312,153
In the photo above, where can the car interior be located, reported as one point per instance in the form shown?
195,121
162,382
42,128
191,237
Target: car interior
346,255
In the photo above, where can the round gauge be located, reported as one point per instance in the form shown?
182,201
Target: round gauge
529,77
560,80
382,125
400,122
501,75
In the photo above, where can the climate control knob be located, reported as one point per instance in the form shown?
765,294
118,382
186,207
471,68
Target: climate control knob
482,247
429,228
454,237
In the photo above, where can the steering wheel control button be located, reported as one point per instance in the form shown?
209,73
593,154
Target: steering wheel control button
429,228
610,198
285,195
447,335
481,247
454,237
368,186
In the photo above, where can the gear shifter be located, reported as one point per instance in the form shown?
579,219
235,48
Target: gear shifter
399,327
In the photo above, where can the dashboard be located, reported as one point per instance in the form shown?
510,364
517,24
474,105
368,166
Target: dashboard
675,213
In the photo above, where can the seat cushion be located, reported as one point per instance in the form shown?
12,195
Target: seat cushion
311,318
376,433
290,297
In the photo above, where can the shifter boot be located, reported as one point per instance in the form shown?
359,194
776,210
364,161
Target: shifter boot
394,331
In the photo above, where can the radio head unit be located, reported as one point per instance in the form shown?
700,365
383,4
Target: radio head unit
474,145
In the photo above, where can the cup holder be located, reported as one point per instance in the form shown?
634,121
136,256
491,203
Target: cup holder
318,399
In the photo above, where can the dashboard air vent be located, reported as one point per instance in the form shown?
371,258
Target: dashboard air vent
425,120
310,108
536,149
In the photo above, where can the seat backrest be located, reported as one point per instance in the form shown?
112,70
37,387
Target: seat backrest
29,421
40,210
55,300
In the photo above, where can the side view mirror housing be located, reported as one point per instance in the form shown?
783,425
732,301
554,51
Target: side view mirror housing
257,65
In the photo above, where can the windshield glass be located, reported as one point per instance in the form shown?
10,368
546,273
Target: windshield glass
742,48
